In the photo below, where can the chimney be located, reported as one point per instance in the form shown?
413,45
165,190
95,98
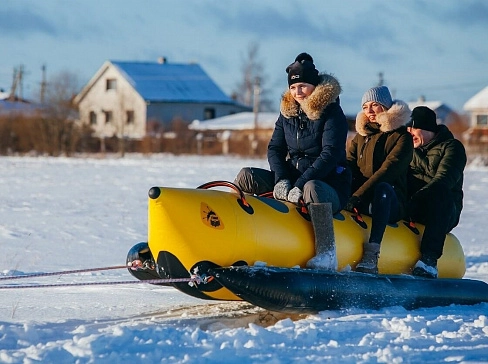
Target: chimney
162,60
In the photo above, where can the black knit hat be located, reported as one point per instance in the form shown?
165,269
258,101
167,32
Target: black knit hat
303,70
423,118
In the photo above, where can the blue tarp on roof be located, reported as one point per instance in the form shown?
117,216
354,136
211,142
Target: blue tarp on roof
171,82
20,107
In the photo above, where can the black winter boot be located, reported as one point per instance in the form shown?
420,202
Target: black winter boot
369,261
426,267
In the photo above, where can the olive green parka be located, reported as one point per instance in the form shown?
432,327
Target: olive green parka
381,151
442,160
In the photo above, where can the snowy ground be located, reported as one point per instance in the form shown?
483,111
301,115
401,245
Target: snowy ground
64,214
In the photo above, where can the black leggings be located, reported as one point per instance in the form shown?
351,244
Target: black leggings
385,209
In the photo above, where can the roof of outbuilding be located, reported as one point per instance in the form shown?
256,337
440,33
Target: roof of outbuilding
239,121
16,106
171,82
478,101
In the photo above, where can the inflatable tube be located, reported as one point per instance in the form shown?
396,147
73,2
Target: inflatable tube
193,230
310,291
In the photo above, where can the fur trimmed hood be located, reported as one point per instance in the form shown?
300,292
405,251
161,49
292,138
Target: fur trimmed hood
393,118
325,93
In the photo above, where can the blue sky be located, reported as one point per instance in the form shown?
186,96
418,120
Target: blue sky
434,48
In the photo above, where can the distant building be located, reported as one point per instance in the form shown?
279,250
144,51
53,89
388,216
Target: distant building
133,99
16,106
477,106
235,133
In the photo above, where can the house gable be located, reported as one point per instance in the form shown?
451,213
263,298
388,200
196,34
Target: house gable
477,106
478,101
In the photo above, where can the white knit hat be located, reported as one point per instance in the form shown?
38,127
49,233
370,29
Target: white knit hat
379,94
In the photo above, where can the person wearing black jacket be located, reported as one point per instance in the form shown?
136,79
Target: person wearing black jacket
435,185
307,150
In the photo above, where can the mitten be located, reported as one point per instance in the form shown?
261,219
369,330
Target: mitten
295,195
353,203
281,189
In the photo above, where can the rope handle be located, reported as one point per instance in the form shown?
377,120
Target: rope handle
411,225
356,216
242,198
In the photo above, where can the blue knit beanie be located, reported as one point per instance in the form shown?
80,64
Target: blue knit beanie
379,94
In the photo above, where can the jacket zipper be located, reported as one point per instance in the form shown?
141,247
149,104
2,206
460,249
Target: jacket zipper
366,140
298,132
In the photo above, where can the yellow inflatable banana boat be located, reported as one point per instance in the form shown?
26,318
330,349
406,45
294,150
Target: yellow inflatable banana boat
193,230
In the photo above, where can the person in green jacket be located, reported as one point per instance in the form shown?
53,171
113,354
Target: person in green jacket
379,156
435,185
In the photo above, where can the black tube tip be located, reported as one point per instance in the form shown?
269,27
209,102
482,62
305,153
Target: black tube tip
154,192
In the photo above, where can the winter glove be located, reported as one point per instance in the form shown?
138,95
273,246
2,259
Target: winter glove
295,195
281,189
353,203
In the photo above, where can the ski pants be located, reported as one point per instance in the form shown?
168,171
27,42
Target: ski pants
258,181
437,211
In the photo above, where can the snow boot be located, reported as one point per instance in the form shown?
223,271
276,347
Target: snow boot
369,261
325,250
426,267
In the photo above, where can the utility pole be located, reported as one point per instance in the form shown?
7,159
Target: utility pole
43,84
381,80
257,91
17,83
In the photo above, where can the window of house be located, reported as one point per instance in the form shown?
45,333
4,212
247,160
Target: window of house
208,113
93,118
130,117
111,84
108,116
482,120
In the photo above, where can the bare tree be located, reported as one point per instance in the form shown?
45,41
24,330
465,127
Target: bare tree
253,76
57,130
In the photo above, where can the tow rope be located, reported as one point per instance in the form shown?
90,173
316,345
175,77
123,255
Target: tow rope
47,274
194,279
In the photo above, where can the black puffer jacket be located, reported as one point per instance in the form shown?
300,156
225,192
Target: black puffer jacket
309,141
442,160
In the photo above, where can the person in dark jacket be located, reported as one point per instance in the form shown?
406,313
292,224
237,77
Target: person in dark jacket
307,150
379,156
435,185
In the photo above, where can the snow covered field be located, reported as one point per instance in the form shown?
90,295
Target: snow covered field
66,214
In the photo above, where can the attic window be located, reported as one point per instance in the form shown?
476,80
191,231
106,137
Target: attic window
482,120
111,84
